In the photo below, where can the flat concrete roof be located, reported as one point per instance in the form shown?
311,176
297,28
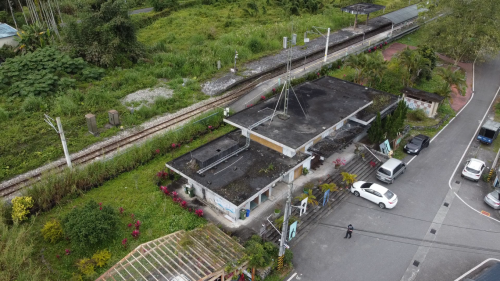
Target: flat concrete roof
326,100
241,176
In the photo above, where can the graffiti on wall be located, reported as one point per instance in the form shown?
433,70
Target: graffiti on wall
418,104
224,206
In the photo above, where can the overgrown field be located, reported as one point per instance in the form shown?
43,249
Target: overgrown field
134,196
183,44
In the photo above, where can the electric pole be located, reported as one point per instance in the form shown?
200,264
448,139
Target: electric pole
60,131
284,229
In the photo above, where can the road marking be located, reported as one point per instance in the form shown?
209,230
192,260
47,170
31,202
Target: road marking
291,277
485,213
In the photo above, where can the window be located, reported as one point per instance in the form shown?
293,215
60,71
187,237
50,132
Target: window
388,194
384,171
366,185
398,168
377,194
369,191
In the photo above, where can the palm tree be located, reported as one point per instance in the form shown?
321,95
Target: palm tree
414,65
358,63
376,67
453,78
328,186
348,179
256,255
311,199
444,90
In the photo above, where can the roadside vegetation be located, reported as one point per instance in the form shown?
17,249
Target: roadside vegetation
119,205
176,46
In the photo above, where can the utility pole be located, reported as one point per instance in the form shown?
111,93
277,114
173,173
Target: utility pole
326,47
284,229
235,57
60,131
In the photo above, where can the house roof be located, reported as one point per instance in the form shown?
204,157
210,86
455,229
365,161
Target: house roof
7,31
192,255
326,101
241,176
337,140
422,94
362,8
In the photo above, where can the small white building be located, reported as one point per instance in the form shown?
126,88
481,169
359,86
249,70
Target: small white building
7,35
418,99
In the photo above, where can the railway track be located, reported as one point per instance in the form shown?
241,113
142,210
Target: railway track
234,94
104,150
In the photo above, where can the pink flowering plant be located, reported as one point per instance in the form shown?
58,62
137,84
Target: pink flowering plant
339,162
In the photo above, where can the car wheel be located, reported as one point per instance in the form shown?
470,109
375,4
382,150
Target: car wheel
392,181
381,205
404,170
356,193
462,175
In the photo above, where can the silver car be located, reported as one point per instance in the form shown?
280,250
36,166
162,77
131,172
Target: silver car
493,199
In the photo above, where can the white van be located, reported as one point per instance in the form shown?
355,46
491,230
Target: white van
390,170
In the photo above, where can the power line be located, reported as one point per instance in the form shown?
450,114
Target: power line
451,225
432,243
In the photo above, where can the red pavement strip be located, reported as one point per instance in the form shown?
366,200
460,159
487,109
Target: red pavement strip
457,101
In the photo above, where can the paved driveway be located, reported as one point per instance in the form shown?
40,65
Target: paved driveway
386,243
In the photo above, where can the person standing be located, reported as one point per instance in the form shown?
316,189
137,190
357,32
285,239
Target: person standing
350,228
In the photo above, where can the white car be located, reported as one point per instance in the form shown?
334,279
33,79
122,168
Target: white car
376,193
473,169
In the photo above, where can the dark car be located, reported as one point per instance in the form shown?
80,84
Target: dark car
416,144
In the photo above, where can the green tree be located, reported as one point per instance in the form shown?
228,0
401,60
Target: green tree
256,254
468,29
376,66
427,52
90,226
399,115
376,131
359,64
32,37
105,35
453,78
414,66
444,90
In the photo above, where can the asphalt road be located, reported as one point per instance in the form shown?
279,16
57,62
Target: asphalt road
386,243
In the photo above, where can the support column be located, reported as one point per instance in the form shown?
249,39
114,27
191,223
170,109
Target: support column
355,21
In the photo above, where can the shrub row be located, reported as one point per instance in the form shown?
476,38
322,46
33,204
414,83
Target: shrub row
55,187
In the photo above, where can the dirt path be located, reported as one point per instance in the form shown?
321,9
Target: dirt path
457,101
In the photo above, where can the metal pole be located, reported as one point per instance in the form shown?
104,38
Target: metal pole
12,12
326,48
63,140
284,229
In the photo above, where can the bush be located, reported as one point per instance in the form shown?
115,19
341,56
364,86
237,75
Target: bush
417,115
52,231
4,114
160,5
90,226
101,257
64,105
32,104
86,266
40,73
21,208
255,45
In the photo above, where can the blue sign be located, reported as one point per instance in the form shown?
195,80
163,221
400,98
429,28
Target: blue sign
293,231
385,147
326,197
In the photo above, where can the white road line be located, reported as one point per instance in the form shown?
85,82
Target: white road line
291,277
465,152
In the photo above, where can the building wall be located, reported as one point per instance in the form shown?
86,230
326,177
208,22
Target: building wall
266,143
8,41
428,107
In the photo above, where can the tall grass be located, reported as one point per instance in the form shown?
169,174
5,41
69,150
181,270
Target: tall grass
53,188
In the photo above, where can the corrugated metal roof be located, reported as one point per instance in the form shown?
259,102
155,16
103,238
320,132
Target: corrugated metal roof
402,15
7,30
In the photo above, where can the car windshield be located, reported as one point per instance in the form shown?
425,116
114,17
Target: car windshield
389,194
416,141
366,185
